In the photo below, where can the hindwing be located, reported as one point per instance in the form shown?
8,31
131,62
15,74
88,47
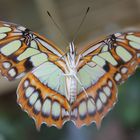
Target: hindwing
42,94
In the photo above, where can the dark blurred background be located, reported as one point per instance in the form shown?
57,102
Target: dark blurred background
105,17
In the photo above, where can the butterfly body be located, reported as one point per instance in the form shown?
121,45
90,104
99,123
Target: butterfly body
58,87
71,73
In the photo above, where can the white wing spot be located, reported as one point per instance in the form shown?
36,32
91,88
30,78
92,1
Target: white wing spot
124,70
103,97
110,84
6,65
26,83
29,91
82,109
56,109
46,108
117,34
118,77
91,106
99,104
37,105
7,25
33,98
12,72
21,28
107,91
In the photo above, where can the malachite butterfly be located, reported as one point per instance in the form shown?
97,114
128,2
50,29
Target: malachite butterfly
58,87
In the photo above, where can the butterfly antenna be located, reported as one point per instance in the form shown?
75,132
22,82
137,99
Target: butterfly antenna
80,25
57,26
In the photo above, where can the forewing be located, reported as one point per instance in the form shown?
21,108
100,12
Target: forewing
101,68
118,55
42,93
21,50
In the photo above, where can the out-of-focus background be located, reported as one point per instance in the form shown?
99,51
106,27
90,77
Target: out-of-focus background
105,17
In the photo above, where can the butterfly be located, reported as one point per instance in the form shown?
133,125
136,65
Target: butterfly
58,87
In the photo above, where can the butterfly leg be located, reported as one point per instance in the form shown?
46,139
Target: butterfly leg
83,89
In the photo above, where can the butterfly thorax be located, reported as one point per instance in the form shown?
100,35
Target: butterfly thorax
71,74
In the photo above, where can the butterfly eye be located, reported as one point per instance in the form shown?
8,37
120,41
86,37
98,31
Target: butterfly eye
113,38
72,52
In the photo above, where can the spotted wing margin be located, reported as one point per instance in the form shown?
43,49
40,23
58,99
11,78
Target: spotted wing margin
42,95
99,96
21,50
102,67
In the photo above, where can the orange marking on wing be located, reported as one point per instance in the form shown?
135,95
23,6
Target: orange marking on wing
93,92
45,92
20,68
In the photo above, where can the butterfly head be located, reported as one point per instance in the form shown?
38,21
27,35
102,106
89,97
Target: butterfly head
71,49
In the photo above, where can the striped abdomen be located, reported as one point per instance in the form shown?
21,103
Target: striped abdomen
73,89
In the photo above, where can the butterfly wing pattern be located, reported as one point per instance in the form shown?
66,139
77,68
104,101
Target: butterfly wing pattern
43,92
105,65
22,50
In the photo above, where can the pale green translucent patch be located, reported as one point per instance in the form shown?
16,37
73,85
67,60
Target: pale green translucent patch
82,108
37,105
2,36
46,108
29,91
91,105
51,75
98,60
84,77
62,85
123,53
103,97
133,38
27,53
99,104
4,29
79,88
33,98
107,56
105,48
134,45
56,109
38,59
33,44
54,80
11,47
89,76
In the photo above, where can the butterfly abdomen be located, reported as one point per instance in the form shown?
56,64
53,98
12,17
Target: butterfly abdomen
73,89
